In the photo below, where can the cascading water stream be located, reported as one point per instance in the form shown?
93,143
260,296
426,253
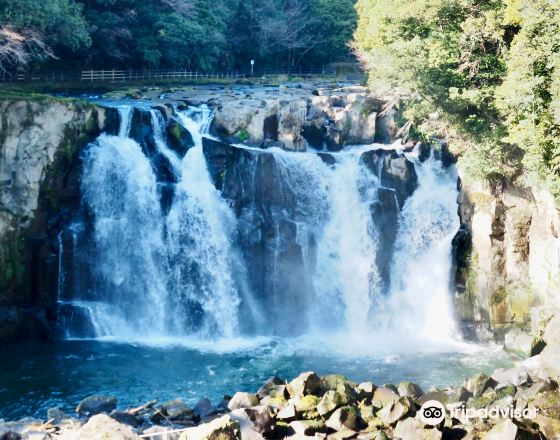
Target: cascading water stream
125,114
200,228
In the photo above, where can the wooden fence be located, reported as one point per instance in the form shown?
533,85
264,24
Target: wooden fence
151,75
114,75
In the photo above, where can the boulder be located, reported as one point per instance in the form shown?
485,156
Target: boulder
288,412
447,396
179,139
478,384
548,426
203,408
550,356
223,428
243,400
56,415
308,427
511,376
508,390
102,426
272,387
346,417
261,419
330,401
504,430
393,412
93,405
412,429
175,410
246,426
383,396
331,381
365,390
307,406
409,389
306,383
126,418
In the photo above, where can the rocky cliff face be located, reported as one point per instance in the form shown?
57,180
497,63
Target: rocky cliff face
507,254
39,145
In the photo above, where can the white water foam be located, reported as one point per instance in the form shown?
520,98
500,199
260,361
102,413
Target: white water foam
156,269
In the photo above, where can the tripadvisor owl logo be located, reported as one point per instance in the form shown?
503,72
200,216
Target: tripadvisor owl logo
432,412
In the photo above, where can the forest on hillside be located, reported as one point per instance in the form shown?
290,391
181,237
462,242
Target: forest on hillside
195,34
482,74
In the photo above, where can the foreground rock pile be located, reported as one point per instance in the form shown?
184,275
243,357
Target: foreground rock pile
522,402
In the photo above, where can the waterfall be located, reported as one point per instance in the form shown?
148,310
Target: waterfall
186,271
200,229
125,114
120,189
422,263
346,269
157,275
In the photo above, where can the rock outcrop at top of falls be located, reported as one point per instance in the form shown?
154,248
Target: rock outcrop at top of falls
296,116
330,119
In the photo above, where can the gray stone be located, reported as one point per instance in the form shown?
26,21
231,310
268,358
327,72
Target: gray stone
288,412
412,429
272,387
330,401
102,426
223,428
126,418
478,384
204,408
93,405
393,412
243,400
504,430
56,415
346,417
409,389
365,390
383,396
304,384
246,426
511,376
177,409
308,427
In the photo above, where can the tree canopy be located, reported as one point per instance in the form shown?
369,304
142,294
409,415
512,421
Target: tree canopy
483,73
197,34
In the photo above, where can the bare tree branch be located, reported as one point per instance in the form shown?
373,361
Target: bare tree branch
19,47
